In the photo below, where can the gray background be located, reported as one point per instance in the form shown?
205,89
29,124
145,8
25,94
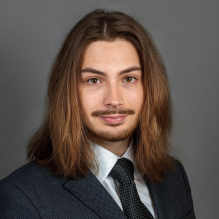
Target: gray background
186,34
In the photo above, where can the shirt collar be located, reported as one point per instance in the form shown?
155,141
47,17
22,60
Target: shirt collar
106,160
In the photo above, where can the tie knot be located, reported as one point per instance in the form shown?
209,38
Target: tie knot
123,171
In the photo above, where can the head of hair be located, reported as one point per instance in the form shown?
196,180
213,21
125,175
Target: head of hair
61,144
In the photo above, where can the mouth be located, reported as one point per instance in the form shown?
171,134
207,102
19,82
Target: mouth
113,119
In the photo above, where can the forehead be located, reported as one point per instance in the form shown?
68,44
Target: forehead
118,53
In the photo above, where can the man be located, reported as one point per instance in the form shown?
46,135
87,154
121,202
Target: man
102,151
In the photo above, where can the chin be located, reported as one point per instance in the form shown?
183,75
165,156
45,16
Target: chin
112,134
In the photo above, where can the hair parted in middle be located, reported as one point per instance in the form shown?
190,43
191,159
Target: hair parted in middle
61,144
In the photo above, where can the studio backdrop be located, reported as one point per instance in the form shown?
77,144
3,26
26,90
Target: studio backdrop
187,36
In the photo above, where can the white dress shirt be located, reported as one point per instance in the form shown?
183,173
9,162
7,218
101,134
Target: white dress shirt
106,160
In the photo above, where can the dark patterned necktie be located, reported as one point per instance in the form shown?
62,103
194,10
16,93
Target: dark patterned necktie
133,208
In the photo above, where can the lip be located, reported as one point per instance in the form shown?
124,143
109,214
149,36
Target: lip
113,119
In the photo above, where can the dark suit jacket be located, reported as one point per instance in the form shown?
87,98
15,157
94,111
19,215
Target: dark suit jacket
34,192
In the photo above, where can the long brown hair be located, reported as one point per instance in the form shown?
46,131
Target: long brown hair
61,144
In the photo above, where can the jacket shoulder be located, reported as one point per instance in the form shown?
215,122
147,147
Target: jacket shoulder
14,201
31,175
25,172
178,176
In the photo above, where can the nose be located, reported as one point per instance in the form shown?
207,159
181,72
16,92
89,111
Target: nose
113,96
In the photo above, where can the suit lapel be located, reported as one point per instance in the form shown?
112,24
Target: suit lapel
91,192
169,196
160,199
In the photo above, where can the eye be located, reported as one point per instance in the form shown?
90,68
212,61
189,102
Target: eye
93,81
129,79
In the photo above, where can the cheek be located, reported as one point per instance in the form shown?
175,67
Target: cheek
135,99
90,101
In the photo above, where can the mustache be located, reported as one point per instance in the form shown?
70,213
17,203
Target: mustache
108,112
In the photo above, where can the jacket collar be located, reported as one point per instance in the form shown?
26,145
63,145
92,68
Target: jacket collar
91,192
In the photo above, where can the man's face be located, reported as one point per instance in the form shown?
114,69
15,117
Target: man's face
111,91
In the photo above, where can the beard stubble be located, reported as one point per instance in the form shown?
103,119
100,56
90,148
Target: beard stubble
113,135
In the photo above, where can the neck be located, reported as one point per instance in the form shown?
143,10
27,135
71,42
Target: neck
118,148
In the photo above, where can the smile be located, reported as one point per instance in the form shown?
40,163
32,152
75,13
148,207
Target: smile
113,119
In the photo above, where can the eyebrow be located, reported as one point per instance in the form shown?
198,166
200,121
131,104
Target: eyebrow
91,70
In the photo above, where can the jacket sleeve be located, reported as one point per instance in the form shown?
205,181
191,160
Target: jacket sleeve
14,203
